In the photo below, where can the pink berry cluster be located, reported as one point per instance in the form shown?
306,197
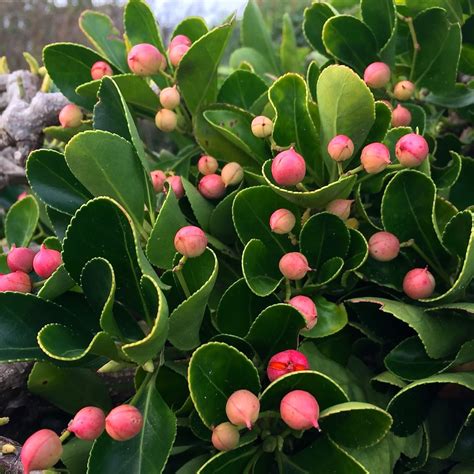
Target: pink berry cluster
213,185
22,261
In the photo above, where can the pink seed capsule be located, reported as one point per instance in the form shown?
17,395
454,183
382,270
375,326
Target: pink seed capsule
300,410
176,185
294,266
46,262
288,168
262,127
190,241
384,246
377,75
70,116
340,148
419,283
88,424
282,221
207,165
42,450
170,98
145,59
15,281
211,186
158,179
401,116
411,150
404,90
375,158
100,69
232,174
286,362
242,408
179,39
124,422
307,308
176,53
340,208
225,437
20,259
166,120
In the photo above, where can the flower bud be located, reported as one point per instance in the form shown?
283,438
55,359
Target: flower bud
262,127
300,410
176,53
207,165
170,98
401,116
100,69
286,362
144,60
211,186
294,266
242,408
158,179
124,422
225,437
419,283
46,262
15,281
190,241
41,450
282,221
166,120
70,116
20,259
340,148
384,246
288,168
179,39
88,424
375,158
232,174
340,208
411,150
377,75
307,308
176,185
403,90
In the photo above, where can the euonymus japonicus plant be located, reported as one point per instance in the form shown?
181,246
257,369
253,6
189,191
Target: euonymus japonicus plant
290,280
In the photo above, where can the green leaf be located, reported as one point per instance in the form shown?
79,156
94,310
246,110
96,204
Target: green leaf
56,285
380,17
418,118
462,193
383,118
241,88
358,251
230,462
221,224
452,7
57,132
331,318
217,370
460,96
289,53
59,221
250,58
315,17
75,455
312,75
193,27
21,221
447,176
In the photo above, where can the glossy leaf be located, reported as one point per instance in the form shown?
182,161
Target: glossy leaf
315,17
380,17
21,221
331,318
241,88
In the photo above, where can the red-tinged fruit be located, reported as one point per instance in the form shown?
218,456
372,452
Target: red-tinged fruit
176,185
340,148
294,266
144,60
170,98
419,283
211,186
70,116
176,53
88,424
377,75
100,69
384,246
288,168
15,281
179,39
307,308
375,158
232,174
242,408
403,90
286,362
340,208
20,259
190,241
225,437
300,410
411,150
262,127
21,196
42,450
401,116
282,221
207,165
166,120
46,262
124,422
158,179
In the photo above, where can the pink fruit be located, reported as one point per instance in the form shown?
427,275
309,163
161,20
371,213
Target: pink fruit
340,208
176,185
88,424
166,120
70,116
288,168
144,60
170,98
46,262
307,308
211,186
41,450
176,53
340,148
282,221
100,69
384,246
207,165
377,75
225,437
419,283
286,362
403,90
300,410
15,281
411,150
262,126
242,408
375,158
124,422
21,196
232,174
294,266
158,179
190,241
180,39
401,116
20,259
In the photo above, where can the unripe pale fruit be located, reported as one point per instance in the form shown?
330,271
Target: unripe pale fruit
232,174
225,437
403,90
144,60
300,410
170,98
176,53
190,241
100,69
384,246
375,158
411,150
166,120
20,259
124,422
207,165
41,450
294,266
158,179
88,424
286,362
288,168
307,308
419,283
352,223
46,262
15,281
262,127
282,221
340,208
340,148
179,39
242,408
401,116
211,186
176,185
70,116
377,75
